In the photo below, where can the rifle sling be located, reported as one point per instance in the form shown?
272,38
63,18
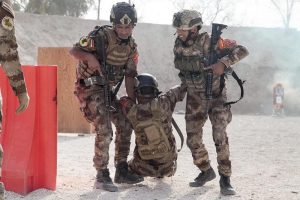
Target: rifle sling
179,133
240,82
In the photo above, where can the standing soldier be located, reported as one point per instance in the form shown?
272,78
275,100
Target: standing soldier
10,63
117,59
155,153
191,48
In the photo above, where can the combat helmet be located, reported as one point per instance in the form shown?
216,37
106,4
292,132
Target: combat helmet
146,85
123,13
187,19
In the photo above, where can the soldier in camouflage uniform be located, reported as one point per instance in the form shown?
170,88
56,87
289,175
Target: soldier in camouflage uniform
190,49
121,60
155,153
10,63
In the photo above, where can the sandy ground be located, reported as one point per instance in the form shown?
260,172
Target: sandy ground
264,152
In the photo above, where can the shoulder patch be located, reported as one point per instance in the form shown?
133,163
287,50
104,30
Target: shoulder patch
7,23
226,43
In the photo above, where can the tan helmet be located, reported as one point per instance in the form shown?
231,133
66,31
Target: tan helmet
187,19
123,13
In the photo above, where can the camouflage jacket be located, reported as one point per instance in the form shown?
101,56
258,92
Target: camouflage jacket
166,102
190,55
9,58
121,57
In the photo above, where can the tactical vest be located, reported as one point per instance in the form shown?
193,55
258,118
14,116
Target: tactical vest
189,58
117,55
151,138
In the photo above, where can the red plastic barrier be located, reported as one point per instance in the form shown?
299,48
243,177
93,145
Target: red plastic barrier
29,139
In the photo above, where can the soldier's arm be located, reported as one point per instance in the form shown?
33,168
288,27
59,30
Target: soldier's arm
13,71
174,95
9,54
233,54
131,73
126,103
236,52
82,51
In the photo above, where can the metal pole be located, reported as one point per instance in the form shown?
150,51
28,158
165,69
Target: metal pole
98,16
129,1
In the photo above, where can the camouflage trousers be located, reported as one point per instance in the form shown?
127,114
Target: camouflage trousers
154,168
197,111
92,104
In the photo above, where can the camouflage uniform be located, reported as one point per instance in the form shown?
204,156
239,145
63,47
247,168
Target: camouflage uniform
188,59
163,108
121,60
9,60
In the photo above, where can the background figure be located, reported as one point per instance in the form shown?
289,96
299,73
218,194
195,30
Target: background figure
10,63
155,153
191,51
106,56
278,97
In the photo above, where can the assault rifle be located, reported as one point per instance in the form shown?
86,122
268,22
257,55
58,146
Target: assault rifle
99,39
213,57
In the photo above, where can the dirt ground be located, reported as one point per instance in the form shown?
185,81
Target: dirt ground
264,153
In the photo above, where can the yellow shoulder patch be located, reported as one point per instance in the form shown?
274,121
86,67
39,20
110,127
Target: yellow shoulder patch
84,42
7,23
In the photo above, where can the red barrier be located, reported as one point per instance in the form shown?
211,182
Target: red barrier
29,139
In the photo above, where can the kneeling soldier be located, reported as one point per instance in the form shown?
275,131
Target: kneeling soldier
155,153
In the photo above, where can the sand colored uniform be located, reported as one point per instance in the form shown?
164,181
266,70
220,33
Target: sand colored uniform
155,153
121,58
188,60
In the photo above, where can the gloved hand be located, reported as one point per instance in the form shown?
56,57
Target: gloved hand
126,103
24,101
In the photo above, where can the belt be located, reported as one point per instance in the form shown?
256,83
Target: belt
190,75
93,80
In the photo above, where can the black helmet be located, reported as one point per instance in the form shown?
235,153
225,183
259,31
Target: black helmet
146,85
123,13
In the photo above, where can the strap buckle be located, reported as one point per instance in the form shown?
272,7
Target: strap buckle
94,80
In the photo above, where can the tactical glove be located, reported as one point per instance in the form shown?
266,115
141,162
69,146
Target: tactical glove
24,101
126,103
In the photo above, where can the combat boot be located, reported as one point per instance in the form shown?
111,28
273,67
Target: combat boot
203,177
103,181
226,188
124,175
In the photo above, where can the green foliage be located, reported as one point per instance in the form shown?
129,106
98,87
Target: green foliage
75,8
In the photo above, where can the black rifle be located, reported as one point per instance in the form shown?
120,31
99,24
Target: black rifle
99,39
213,57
